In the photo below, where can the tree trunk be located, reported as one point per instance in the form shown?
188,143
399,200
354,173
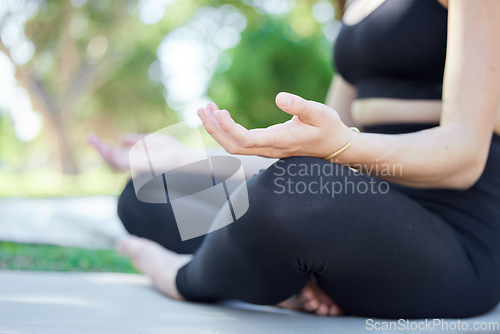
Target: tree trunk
62,151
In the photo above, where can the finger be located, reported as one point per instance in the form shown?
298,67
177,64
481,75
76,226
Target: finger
92,139
273,136
108,153
231,146
237,132
212,126
309,112
98,144
211,106
130,139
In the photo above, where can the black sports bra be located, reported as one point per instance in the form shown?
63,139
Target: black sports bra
397,51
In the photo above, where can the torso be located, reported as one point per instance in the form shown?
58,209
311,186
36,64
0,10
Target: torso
369,111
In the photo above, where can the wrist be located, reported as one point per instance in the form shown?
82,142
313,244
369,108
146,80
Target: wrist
351,134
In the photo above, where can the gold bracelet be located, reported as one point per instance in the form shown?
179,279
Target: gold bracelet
343,148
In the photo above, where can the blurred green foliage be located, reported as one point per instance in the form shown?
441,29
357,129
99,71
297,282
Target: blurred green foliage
270,58
113,92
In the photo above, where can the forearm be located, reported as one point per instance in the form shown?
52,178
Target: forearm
448,157
340,96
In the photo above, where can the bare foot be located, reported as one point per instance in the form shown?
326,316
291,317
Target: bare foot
160,264
312,298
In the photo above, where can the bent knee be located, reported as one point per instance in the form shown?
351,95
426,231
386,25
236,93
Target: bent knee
126,202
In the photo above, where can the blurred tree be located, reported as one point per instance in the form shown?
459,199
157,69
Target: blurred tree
275,54
90,60
91,66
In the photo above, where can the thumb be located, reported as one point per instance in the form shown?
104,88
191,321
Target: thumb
309,112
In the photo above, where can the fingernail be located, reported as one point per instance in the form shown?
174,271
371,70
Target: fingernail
217,115
201,115
284,99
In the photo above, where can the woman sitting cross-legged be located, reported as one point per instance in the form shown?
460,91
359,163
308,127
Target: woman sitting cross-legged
415,233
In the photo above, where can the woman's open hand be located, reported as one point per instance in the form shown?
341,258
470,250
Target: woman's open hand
165,149
115,156
314,130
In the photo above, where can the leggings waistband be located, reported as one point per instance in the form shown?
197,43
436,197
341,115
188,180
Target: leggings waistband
398,128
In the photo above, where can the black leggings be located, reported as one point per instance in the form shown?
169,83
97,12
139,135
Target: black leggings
378,249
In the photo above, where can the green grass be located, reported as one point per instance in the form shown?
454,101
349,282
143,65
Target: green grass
16,256
42,183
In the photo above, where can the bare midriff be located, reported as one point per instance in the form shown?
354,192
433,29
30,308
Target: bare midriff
389,111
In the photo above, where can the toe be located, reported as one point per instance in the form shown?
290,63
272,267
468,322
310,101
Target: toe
322,310
306,295
312,305
128,245
335,310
